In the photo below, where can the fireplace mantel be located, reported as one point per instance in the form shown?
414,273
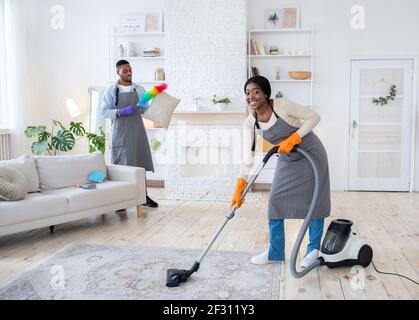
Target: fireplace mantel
208,117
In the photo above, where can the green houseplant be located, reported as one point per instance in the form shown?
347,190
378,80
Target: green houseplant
64,139
220,102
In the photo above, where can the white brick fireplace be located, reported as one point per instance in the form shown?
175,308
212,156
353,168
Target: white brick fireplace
203,156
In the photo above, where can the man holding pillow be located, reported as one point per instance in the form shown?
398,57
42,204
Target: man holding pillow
129,144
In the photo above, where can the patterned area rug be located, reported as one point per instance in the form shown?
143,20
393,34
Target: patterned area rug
88,271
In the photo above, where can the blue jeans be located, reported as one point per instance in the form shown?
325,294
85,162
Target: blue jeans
277,238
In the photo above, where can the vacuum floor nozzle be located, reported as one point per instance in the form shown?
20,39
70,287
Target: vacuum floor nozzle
175,276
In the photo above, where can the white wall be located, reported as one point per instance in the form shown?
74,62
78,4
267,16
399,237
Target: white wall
206,46
65,63
391,29
202,57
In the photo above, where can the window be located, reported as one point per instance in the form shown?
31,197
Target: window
4,112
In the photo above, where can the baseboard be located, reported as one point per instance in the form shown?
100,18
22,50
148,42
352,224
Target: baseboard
255,187
261,186
155,183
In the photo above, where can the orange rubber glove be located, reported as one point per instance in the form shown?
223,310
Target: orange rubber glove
289,143
240,186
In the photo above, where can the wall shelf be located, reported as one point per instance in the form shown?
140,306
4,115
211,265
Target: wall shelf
290,80
273,31
281,56
135,34
141,82
209,112
138,58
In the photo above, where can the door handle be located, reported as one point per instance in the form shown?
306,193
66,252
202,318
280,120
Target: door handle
354,125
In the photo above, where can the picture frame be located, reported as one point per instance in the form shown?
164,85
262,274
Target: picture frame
290,16
272,19
133,23
154,20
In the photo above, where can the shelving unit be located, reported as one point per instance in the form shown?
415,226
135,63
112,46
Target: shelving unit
143,67
296,40
301,91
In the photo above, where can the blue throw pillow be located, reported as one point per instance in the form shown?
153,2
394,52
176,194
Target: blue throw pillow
97,176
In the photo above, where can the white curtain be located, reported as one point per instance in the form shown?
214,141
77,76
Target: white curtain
17,89
4,110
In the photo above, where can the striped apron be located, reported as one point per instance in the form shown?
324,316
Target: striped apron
130,145
293,183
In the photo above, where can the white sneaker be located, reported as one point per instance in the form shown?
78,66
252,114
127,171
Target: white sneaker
263,258
310,258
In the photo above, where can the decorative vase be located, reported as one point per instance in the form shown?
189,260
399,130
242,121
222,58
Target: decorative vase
121,50
160,75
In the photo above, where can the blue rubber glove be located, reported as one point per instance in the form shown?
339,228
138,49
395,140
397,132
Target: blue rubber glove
130,110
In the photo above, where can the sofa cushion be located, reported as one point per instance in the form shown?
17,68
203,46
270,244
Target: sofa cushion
35,206
13,184
106,193
26,165
67,171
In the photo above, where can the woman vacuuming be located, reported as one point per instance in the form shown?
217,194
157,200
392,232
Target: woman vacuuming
287,124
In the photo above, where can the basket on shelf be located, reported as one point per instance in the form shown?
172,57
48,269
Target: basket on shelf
300,75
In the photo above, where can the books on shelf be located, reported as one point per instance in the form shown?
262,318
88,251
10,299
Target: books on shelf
257,48
151,52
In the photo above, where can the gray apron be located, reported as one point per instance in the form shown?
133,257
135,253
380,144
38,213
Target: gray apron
129,138
293,182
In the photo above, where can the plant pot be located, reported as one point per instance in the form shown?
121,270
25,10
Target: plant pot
221,107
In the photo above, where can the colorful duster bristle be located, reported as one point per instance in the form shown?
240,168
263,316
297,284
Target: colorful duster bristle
148,95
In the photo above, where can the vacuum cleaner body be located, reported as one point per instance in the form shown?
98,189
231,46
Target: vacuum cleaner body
342,247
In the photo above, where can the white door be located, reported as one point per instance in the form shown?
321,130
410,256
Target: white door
380,135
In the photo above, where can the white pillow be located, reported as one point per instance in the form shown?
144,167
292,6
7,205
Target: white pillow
66,171
26,165
161,109
13,184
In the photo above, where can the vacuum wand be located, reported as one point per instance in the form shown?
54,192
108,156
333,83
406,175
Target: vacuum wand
175,276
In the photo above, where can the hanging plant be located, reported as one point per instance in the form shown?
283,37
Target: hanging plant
384,100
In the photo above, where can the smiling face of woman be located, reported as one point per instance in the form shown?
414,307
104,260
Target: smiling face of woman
255,97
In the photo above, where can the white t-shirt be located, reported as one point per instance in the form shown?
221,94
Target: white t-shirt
125,89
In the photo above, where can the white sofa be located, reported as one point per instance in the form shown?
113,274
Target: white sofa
54,199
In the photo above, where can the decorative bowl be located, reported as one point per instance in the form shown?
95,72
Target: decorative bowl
299,75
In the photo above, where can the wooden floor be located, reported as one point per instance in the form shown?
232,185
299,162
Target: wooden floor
388,221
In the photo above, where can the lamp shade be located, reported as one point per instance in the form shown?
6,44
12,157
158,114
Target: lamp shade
72,108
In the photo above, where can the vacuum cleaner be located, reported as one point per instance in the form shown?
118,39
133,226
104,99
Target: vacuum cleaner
340,247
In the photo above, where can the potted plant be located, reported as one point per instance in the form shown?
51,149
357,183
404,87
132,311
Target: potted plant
220,102
64,139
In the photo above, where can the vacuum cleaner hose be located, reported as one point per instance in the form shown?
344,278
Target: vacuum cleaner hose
307,220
